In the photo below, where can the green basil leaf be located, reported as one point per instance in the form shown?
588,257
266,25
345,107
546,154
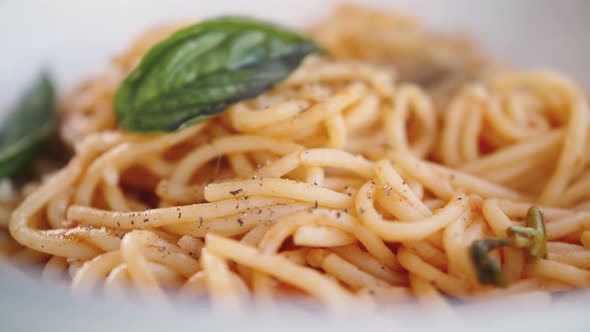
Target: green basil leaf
200,70
533,237
489,270
27,127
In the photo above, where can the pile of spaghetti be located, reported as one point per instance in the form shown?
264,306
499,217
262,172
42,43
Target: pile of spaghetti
366,176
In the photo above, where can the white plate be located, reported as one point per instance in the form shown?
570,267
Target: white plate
29,306
76,39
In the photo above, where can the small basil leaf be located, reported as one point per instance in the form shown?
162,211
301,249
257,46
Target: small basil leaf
533,238
489,270
200,70
535,220
27,126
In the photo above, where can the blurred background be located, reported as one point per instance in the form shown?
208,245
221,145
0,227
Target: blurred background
77,38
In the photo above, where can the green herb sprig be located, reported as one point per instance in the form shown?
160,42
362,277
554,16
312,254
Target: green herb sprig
489,270
27,127
532,238
200,70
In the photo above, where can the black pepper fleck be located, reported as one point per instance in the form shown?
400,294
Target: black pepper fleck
387,190
235,192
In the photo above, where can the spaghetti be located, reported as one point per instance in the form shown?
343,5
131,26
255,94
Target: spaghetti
363,177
